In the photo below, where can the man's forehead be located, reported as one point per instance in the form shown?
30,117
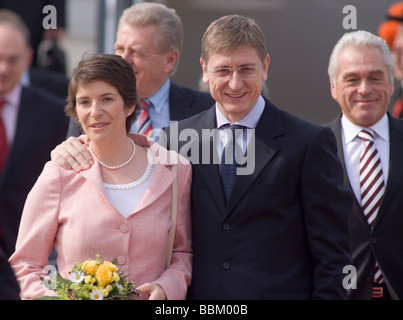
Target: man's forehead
238,56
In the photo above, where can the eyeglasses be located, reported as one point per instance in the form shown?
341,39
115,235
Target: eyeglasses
243,72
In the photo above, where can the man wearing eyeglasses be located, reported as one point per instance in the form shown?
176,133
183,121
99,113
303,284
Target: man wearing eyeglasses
280,231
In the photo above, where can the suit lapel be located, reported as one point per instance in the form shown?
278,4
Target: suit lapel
94,176
357,210
207,168
336,128
157,187
24,132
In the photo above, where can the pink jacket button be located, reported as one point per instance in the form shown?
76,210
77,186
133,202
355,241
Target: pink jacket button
124,228
121,260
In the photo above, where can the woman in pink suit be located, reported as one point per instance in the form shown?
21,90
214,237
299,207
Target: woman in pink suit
121,207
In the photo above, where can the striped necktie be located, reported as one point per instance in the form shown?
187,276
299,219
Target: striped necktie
372,184
145,124
3,140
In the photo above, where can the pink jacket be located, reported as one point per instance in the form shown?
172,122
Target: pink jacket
71,211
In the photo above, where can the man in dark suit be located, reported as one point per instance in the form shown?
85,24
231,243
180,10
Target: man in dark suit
361,76
282,231
31,12
150,37
34,123
9,288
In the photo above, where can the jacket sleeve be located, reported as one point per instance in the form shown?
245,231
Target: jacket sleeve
327,205
36,235
176,278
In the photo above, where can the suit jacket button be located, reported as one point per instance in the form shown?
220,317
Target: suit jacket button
225,265
374,240
226,226
124,228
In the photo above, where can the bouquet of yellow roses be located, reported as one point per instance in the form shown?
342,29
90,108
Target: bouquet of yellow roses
93,280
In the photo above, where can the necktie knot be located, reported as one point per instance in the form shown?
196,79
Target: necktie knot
145,104
366,135
145,122
232,128
2,103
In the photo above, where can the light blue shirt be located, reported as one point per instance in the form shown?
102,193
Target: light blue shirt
159,109
249,121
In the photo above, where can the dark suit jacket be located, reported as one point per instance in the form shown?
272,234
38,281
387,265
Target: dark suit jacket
183,103
51,81
41,126
385,241
9,288
283,233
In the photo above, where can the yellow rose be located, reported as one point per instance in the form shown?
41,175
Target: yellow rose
103,275
110,266
89,267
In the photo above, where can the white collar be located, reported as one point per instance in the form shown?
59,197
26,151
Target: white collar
350,129
250,120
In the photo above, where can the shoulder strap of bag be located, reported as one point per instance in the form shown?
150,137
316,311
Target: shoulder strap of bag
174,211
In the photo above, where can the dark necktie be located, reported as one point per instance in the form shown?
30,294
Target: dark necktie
228,159
145,125
3,140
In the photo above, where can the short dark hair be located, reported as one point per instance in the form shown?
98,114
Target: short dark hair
112,69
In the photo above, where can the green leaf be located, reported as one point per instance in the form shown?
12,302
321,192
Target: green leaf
48,298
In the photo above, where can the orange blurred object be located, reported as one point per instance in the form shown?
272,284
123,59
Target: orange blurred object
388,29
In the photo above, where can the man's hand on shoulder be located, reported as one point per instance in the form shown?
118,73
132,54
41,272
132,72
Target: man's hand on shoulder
72,154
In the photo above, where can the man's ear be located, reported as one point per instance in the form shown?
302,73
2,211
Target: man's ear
266,64
204,68
333,90
172,57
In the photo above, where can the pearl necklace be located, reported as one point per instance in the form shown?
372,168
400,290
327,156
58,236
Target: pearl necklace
115,167
134,184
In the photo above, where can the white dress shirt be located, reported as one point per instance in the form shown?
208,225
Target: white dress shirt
353,146
249,121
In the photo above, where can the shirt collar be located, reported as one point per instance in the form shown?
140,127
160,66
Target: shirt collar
13,98
159,99
250,120
350,129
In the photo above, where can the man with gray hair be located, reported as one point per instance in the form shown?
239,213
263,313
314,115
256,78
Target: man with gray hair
370,146
150,37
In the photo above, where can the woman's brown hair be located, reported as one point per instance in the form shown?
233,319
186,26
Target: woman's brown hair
112,69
